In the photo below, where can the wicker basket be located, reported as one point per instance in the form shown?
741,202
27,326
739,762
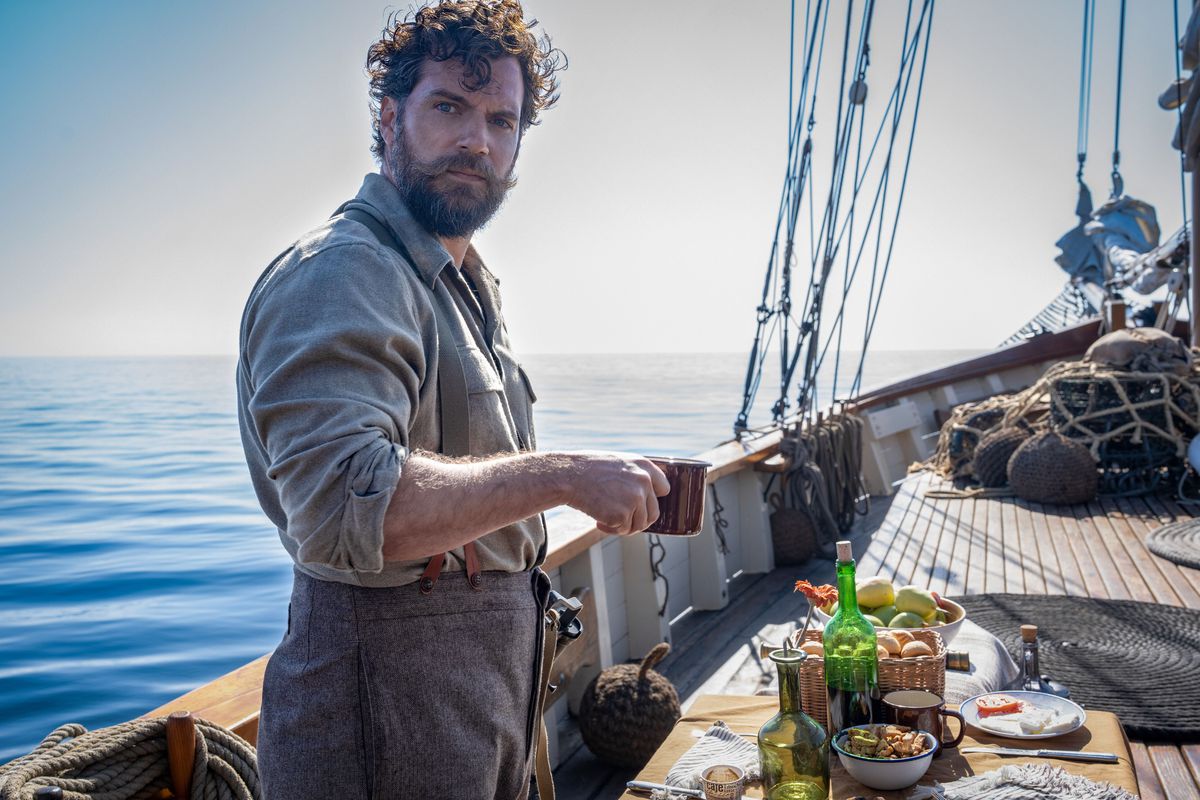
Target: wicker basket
924,672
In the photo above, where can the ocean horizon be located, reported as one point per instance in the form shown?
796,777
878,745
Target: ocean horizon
135,562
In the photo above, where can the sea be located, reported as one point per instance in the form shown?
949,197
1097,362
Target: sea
135,563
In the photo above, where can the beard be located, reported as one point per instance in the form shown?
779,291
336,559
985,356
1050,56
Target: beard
445,206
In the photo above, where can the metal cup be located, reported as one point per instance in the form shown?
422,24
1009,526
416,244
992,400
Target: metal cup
681,511
922,710
723,782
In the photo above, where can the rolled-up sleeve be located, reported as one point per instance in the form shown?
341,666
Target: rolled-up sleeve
335,356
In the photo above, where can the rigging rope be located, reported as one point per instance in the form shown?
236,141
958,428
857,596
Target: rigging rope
129,762
802,338
1117,182
1085,86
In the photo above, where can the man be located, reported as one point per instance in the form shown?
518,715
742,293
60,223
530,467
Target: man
370,349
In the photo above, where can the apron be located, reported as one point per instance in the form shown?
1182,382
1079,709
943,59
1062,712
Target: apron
392,694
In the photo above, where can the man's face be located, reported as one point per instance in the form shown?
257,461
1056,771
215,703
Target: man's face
450,151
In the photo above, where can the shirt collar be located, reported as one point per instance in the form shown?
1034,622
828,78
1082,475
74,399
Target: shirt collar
426,251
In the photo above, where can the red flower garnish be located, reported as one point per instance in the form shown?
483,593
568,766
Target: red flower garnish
818,595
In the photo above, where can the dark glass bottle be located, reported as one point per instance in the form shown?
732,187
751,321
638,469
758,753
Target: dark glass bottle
792,747
1032,679
851,662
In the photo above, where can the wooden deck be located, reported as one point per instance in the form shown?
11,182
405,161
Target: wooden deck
958,546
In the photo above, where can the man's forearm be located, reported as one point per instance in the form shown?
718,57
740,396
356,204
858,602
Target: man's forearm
440,505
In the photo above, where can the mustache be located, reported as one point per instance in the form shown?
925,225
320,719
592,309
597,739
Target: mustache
459,162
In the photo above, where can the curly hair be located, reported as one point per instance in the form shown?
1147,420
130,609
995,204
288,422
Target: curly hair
473,31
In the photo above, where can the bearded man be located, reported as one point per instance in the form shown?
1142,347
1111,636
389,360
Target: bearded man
388,428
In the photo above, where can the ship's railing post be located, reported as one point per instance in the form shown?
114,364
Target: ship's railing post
642,597
709,575
754,523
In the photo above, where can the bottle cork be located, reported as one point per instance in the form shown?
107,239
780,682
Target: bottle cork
844,552
1029,633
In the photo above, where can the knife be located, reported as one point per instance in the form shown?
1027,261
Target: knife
646,786
1075,755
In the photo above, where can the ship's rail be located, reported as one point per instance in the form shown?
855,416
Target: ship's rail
623,589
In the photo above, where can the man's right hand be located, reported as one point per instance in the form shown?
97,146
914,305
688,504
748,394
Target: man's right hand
618,490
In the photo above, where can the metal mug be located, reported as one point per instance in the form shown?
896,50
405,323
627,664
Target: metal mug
921,710
681,511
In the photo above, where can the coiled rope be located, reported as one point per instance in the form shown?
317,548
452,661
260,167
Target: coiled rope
825,476
129,762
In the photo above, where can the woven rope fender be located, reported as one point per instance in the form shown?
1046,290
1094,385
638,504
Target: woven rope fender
793,535
1050,468
129,761
990,462
628,710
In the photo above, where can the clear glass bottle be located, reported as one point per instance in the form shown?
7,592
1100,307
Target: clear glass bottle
792,746
1032,679
851,660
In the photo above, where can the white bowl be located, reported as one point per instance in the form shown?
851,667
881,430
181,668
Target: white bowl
887,773
948,630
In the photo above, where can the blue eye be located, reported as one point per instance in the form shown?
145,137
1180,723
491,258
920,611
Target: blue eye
503,123
445,107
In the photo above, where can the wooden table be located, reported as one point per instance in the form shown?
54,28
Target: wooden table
1101,733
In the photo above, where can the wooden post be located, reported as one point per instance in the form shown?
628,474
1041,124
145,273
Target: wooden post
181,751
646,627
1116,315
710,578
1194,272
754,519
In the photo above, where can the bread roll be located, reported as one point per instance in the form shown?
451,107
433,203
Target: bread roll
889,643
914,649
882,652
813,648
903,637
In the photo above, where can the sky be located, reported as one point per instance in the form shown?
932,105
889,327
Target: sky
155,157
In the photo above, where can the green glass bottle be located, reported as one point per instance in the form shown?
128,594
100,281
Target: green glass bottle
792,746
851,662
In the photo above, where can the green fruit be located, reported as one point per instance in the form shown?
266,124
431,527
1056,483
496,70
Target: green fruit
876,621
886,613
907,619
875,592
931,616
940,616
917,600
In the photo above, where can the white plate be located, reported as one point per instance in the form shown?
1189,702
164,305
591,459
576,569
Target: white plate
1048,702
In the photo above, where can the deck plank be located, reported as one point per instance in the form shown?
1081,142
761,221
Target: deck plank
1033,551
941,572
1136,585
1013,547
1148,784
1191,754
1131,533
994,549
906,501
1172,771
906,567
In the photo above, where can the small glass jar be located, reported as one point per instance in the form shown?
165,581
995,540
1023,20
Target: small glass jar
792,747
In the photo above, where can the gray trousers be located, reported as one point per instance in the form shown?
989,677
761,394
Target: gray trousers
388,694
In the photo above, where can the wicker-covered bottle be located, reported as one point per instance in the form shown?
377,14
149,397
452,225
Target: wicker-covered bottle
793,748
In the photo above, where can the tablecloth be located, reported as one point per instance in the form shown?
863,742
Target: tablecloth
1101,733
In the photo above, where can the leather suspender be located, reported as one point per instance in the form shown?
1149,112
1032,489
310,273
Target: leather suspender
453,401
